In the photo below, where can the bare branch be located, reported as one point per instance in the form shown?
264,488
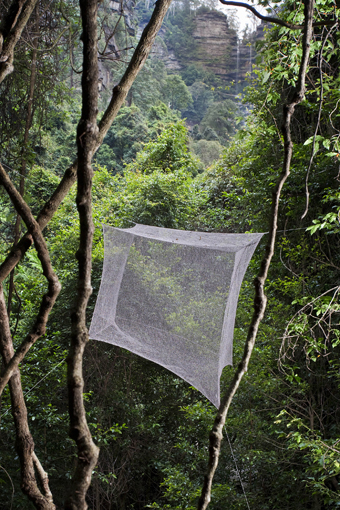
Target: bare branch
260,300
50,48
24,440
10,479
43,477
54,286
317,123
270,19
10,32
45,215
120,92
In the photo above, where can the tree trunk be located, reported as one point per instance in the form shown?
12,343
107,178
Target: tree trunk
260,299
87,133
28,124
24,441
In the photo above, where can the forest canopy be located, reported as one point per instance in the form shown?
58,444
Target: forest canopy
112,113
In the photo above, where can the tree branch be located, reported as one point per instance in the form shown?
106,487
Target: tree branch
44,216
10,31
260,300
120,92
137,61
311,159
43,477
270,19
24,443
54,286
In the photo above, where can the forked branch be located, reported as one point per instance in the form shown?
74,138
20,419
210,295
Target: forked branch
54,286
260,299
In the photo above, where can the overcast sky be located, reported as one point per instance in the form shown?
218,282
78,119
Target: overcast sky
244,16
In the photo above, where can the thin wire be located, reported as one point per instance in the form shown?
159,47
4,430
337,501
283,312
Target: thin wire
37,384
16,172
238,472
264,233
13,490
291,229
287,230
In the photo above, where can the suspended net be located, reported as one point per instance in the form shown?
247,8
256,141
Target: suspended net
170,296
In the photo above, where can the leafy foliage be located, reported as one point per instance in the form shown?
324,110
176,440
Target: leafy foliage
153,428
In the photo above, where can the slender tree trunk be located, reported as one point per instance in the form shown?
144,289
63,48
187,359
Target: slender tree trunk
28,124
24,441
260,299
87,133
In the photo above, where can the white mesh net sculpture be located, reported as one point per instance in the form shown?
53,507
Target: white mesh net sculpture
171,297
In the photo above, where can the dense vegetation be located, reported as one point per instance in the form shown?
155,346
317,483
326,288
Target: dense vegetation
214,173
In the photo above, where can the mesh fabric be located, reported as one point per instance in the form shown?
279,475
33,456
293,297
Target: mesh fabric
171,297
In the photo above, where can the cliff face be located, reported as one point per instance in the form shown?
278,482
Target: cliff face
201,37
216,43
162,52
211,43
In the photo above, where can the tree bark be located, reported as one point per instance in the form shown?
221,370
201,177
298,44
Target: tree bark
10,32
24,441
87,133
260,299
54,286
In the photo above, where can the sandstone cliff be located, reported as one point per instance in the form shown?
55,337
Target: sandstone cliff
213,44
216,43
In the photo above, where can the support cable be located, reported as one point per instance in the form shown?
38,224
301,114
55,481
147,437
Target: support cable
237,469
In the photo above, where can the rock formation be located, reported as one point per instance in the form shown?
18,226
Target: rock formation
216,43
217,47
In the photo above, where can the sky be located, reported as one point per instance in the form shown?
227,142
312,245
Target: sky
244,16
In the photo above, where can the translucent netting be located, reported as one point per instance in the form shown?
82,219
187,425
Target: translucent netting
171,297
